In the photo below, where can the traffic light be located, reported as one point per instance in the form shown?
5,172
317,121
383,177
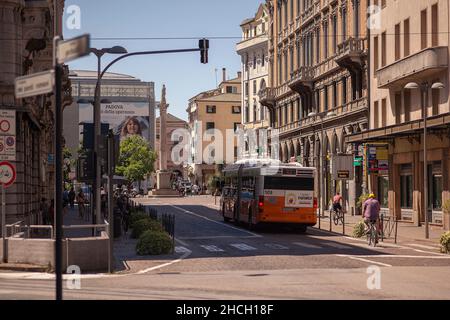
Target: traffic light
203,44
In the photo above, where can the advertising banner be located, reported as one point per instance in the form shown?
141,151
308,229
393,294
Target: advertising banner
125,119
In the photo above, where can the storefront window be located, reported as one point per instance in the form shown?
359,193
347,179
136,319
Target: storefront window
436,186
406,186
383,188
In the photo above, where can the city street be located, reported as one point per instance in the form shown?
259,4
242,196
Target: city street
217,260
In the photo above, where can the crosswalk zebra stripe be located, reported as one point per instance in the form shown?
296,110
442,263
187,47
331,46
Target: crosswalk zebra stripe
180,249
242,246
276,246
307,245
212,248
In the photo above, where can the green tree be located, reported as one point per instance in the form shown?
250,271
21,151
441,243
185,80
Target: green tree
136,159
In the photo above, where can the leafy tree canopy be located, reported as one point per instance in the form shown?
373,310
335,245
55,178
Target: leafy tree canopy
136,159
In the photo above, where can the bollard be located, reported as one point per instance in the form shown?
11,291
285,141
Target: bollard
343,222
330,221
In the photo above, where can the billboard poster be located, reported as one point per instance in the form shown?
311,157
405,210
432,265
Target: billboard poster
124,118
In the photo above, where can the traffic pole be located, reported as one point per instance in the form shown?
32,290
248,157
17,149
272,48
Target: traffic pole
58,181
5,248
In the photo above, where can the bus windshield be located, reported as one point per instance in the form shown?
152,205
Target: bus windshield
288,183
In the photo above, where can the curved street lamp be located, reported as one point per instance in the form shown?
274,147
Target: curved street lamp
424,88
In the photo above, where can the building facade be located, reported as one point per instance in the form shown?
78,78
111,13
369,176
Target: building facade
173,123
317,91
219,109
27,29
253,50
409,55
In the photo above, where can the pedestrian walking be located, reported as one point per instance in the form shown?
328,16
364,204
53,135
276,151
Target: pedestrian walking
81,202
43,209
72,198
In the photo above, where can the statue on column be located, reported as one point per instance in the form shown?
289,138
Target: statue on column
164,186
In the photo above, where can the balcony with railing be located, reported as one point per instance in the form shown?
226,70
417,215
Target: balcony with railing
414,68
351,52
302,79
334,114
310,12
267,96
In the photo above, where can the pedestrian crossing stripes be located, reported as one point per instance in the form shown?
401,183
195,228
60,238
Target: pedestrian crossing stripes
276,246
212,248
181,249
243,246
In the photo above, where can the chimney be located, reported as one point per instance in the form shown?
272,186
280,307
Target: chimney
224,74
239,74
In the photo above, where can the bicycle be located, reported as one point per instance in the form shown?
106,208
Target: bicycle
372,233
338,215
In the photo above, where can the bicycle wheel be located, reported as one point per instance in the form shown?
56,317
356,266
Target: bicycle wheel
335,218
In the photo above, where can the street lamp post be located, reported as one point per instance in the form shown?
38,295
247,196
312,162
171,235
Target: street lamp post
424,88
97,126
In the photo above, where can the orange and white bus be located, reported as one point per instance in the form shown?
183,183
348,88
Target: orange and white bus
268,191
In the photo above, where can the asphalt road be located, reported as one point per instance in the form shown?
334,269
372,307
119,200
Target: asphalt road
218,260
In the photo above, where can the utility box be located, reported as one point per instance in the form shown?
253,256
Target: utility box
342,167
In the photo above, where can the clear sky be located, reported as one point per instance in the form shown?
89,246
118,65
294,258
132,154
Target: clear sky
182,73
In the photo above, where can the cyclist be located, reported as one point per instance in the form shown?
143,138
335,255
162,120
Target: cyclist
371,209
337,202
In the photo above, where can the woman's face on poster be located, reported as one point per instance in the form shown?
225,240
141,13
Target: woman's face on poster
132,127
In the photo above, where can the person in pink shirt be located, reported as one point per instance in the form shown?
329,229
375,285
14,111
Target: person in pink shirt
371,211
337,202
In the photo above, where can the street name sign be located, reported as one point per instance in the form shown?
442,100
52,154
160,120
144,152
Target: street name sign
72,49
342,167
34,84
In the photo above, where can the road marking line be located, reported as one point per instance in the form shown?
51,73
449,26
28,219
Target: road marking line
221,223
165,264
404,256
243,246
276,246
182,242
307,245
364,260
435,253
181,249
388,245
212,248
216,237
422,246
336,245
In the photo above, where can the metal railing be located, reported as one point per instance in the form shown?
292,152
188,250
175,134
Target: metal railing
94,227
389,225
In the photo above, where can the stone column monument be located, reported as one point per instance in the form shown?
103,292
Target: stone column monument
163,185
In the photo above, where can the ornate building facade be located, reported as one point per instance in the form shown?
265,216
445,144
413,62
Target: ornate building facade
410,81
27,29
253,50
318,88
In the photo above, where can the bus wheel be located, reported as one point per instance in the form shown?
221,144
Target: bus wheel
302,228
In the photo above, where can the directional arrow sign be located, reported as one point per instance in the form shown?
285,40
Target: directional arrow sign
35,84
74,48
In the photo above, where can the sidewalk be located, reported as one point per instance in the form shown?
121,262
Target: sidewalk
406,232
72,218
